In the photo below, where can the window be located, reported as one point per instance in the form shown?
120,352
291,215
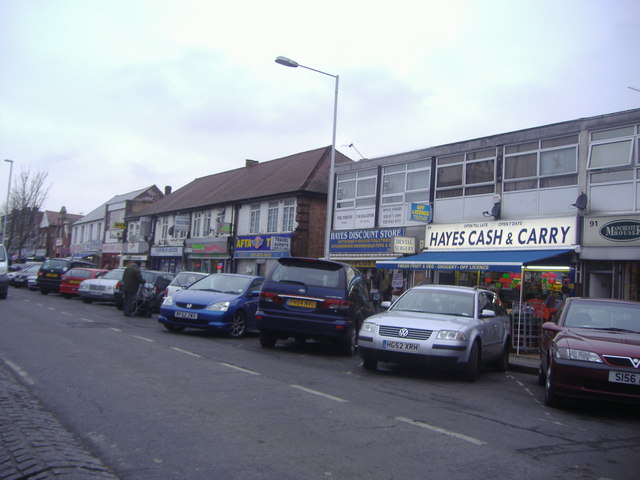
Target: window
288,215
541,164
196,229
611,148
254,222
272,217
206,223
406,183
356,189
466,174
164,228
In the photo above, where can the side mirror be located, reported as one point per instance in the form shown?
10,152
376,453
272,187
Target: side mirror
486,313
385,305
254,293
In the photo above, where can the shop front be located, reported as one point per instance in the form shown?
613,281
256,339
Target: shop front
256,254
610,256
362,248
167,258
207,256
136,252
111,255
530,263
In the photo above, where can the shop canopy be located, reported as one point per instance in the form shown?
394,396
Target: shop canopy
495,260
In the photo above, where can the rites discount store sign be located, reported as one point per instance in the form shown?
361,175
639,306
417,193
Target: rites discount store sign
516,234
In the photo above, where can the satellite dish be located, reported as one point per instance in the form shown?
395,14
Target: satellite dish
581,201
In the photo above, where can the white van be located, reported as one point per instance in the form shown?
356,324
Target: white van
4,270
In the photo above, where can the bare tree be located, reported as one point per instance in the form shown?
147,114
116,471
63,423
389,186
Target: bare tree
26,200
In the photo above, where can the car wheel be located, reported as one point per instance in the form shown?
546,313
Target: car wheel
268,339
43,291
173,328
541,375
369,363
4,294
119,306
238,325
87,300
551,399
502,363
67,296
300,338
349,346
471,370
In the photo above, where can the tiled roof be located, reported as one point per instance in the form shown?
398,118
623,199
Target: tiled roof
301,172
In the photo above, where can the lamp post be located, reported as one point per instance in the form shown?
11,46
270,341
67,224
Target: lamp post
6,212
287,62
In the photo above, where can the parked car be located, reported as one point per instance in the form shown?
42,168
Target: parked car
439,326
4,270
71,280
20,278
224,302
593,351
153,278
309,298
101,289
51,271
183,280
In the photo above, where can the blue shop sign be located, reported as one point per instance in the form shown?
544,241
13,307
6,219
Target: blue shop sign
263,246
376,240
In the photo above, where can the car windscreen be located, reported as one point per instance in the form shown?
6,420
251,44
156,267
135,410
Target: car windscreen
78,273
436,301
603,316
55,263
311,274
184,279
114,274
219,282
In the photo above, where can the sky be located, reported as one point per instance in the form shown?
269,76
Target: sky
111,96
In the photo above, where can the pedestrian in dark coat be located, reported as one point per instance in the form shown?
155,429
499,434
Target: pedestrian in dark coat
131,281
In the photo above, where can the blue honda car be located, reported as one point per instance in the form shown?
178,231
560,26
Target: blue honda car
223,302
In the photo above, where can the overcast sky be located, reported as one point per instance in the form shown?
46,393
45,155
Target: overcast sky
110,96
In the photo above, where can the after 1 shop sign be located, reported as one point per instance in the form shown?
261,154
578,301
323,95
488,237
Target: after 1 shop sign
375,240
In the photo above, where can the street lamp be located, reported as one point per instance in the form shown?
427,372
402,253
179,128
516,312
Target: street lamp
287,62
6,212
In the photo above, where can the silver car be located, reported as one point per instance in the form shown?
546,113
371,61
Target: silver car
439,326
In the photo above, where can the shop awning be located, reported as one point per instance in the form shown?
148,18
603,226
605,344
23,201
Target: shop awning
497,260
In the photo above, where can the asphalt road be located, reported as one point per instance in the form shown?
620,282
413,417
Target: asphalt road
156,405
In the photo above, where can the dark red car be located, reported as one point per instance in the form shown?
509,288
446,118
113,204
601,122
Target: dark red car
593,351
71,280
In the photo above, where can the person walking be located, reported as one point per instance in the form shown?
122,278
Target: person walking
131,281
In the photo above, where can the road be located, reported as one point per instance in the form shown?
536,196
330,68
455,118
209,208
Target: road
157,405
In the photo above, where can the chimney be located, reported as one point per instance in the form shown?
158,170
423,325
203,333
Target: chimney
167,190
251,163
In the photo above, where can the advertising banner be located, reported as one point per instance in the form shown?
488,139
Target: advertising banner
377,240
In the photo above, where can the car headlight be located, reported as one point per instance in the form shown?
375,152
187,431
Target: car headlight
369,327
582,355
168,301
83,284
218,307
451,335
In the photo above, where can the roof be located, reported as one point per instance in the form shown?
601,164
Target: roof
53,218
301,172
99,213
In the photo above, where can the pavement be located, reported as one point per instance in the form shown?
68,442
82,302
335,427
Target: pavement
34,445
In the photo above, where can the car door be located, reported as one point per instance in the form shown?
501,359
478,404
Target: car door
491,325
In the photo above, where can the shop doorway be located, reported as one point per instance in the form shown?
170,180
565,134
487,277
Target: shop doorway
600,285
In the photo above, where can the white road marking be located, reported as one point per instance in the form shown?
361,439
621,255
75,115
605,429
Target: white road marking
145,339
88,320
115,329
67,313
433,428
240,369
16,368
186,352
320,394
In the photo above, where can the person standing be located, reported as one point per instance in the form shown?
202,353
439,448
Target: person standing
131,281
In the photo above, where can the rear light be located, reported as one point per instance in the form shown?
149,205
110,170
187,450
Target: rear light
118,285
270,297
335,304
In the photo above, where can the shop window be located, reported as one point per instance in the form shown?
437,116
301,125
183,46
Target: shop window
541,164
